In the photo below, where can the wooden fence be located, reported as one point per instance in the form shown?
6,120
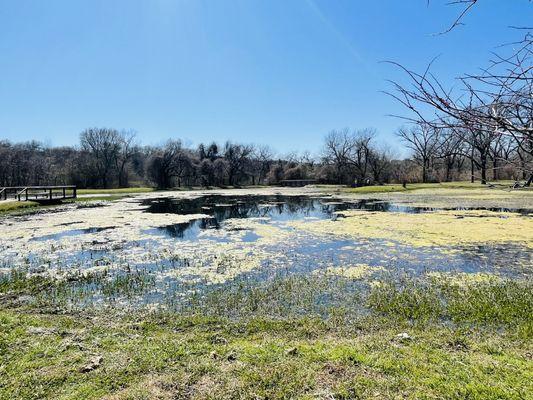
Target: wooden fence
38,193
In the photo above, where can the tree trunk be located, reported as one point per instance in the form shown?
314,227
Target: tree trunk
529,181
424,172
449,166
472,171
483,169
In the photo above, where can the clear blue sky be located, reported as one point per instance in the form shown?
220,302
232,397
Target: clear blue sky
283,72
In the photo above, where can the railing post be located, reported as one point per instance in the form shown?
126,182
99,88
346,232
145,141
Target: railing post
63,192
75,189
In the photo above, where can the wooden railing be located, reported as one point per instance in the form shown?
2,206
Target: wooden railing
38,193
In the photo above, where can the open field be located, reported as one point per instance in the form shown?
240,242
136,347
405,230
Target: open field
272,293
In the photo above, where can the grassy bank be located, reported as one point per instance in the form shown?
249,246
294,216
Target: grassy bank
392,188
172,357
116,191
22,207
415,339
133,190
11,206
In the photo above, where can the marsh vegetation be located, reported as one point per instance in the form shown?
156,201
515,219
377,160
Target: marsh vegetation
271,293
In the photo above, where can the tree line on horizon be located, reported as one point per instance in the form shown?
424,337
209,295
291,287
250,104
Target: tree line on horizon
110,158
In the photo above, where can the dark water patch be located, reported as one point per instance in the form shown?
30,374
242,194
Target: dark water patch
197,229
522,211
282,207
226,207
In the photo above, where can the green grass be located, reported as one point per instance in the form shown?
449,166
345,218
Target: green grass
111,197
377,189
272,340
116,191
391,188
24,207
165,356
493,302
11,206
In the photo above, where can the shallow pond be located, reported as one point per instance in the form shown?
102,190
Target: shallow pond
183,244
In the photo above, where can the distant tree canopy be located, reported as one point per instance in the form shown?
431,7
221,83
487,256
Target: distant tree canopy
108,158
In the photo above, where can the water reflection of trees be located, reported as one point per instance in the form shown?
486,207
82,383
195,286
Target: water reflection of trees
224,207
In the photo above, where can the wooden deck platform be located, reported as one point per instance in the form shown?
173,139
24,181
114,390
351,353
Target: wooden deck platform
38,193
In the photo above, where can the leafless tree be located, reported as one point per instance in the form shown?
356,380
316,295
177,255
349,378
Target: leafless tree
424,140
338,145
451,152
220,170
237,157
172,162
360,159
104,145
125,153
379,160
264,156
496,102
354,156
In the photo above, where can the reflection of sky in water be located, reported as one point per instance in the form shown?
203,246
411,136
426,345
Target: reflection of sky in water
311,253
71,232
220,208
274,209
